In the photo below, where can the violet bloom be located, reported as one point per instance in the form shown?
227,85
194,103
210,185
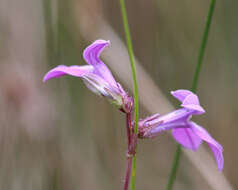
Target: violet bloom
96,75
187,133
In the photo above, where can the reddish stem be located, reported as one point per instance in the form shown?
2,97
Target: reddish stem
128,173
132,141
128,128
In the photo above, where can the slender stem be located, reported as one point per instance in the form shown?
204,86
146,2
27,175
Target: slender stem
133,70
203,45
128,128
133,174
131,150
129,158
132,60
174,168
194,87
128,173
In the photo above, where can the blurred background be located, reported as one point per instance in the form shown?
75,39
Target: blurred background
59,135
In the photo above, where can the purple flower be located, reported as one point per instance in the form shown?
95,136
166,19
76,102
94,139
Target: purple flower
187,133
96,75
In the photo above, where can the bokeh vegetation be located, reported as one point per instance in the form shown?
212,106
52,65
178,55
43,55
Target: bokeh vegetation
60,136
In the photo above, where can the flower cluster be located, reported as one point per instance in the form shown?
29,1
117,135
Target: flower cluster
99,80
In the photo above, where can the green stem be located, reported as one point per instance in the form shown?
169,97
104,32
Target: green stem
133,174
133,70
203,45
174,167
194,87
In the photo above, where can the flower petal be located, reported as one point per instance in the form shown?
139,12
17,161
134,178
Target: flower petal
191,102
91,55
61,70
99,86
216,148
187,138
181,94
180,115
162,127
